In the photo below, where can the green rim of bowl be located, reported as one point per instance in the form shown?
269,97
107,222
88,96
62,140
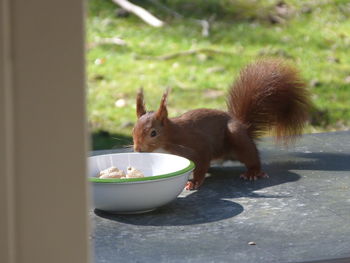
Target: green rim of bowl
190,167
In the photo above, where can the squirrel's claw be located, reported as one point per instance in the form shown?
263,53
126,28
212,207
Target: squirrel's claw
252,176
189,185
193,185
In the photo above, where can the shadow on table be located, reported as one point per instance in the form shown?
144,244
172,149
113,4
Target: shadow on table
183,211
210,204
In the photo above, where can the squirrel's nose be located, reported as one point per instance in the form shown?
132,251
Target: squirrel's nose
137,148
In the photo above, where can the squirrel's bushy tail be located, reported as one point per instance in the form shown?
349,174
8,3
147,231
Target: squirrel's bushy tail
270,95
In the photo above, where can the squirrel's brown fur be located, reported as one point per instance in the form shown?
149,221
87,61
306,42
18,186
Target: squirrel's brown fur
268,94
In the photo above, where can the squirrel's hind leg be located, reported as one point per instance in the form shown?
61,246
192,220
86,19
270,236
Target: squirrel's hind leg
245,150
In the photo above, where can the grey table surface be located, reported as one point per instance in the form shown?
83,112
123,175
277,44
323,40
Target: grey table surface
301,213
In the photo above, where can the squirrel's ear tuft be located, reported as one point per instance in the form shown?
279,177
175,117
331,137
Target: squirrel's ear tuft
162,113
140,104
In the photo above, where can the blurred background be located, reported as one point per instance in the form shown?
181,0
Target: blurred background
200,48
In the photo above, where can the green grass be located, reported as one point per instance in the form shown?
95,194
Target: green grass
315,37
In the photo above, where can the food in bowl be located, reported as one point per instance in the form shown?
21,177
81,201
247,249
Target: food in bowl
111,172
114,172
132,172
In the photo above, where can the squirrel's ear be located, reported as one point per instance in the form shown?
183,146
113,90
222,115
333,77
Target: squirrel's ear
140,105
162,113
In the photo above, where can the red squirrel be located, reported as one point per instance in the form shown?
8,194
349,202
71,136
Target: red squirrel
268,95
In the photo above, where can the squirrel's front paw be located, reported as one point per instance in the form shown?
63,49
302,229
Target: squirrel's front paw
193,185
253,175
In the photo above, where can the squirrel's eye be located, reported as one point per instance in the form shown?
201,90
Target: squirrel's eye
153,133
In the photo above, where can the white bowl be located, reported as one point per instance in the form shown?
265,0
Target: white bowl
165,177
